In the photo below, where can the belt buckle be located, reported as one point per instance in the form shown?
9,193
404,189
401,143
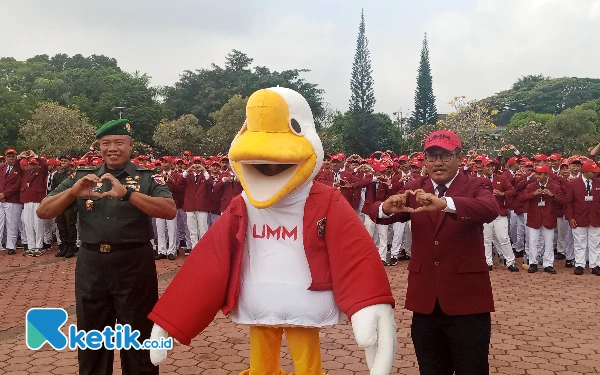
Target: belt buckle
105,248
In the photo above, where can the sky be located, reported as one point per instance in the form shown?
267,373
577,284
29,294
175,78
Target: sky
477,47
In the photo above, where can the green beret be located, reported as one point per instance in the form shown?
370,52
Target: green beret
114,127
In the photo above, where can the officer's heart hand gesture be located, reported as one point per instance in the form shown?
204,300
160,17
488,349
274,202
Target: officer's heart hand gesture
398,203
117,190
83,188
429,202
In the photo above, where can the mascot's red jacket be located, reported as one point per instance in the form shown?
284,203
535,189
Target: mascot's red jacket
341,255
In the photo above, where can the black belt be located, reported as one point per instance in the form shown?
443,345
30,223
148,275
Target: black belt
108,248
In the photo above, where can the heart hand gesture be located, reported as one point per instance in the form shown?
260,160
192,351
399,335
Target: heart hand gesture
83,188
117,190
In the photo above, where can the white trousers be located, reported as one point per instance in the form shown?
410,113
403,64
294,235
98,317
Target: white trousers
10,218
517,230
498,229
167,230
587,239
182,228
569,244
49,229
402,238
34,226
562,226
212,218
535,236
197,222
382,232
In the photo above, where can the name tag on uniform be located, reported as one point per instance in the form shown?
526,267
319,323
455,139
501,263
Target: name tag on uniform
542,204
589,198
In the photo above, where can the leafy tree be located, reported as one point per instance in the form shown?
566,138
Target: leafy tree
54,129
364,134
228,122
471,121
205,91
593,105
415,141
425,110
520,119
185,133
15,109
362,99
531,138
574,130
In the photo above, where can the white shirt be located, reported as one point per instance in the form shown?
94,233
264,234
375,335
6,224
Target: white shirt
275,272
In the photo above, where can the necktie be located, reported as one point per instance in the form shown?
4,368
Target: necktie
8,170
589,187
195,177
441,190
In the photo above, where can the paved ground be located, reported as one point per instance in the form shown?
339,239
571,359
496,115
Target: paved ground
544,324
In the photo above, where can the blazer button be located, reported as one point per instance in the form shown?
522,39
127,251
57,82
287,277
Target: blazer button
436,243
437,263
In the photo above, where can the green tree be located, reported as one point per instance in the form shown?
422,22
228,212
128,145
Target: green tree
362,99
228,122
425,110
15,109
185,133
364,134
531,138
54,129
205,91
521,119
574,130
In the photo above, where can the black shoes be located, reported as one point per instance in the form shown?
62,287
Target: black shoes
518,254
532,268
550,270
160,256
11,252
385,264
513,268
596,271
578,271
570,263
171,257
560,256
490,267
393,261
187,252
47,246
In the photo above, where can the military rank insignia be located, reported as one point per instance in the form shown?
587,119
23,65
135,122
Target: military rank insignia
159,179
321,227
133,183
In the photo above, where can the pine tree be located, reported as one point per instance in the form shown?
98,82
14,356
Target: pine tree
425,112
362,100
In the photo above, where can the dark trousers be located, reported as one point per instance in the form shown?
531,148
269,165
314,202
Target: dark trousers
66,222
122,287
447,344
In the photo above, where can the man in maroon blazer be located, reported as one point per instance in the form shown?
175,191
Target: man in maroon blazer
196,203
582,210
10,201
543,199
449,288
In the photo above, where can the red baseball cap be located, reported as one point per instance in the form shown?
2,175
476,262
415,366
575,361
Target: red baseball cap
543,169
142,157
53,161
198,158
337,157
487,161
186,152
540,157
446,139
97,161
34,161
480,158
513,160
416,163
10,151
403,158
555,156
83,161
529,164
378,166
589,167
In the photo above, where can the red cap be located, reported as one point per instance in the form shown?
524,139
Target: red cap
338,157
420,156
187,152
480,158
34,161
487,161
158,162
23,162
513,160
589,167
198,158
574,160
446,139
378,166
540,157
151,165
168,159
10,151
177,160
542,169
53,161
529,164
555,157
83,161
403,158
97,161
142,157
416,163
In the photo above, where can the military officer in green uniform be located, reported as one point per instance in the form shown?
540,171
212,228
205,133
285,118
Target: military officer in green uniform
115,275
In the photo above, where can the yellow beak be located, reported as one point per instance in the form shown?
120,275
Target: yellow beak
267,138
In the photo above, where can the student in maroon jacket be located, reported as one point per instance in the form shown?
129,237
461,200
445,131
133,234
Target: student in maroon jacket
449,286
214,169
33,191
542,198
582,210
196,203
377,191
498,228
166,229
229,187
10,201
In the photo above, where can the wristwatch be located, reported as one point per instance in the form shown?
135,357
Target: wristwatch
128,194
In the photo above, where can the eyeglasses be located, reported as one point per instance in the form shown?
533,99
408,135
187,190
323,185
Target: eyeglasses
444,157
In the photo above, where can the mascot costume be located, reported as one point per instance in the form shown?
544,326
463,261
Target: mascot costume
287,256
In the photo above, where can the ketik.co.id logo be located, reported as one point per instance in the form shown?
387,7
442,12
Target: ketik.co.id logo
42,325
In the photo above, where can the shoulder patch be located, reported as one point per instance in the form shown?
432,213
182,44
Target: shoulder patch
159,179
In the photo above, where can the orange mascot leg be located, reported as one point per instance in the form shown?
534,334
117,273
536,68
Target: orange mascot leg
305,349
265,348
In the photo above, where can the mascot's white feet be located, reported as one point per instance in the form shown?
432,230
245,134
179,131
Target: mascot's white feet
158,355
375,330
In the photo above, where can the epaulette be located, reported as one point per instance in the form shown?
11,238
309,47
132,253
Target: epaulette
86,168
142,168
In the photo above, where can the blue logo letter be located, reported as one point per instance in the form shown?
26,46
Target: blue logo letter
43,325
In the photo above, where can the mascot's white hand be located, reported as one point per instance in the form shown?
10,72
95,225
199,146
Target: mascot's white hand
375,330
158,355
